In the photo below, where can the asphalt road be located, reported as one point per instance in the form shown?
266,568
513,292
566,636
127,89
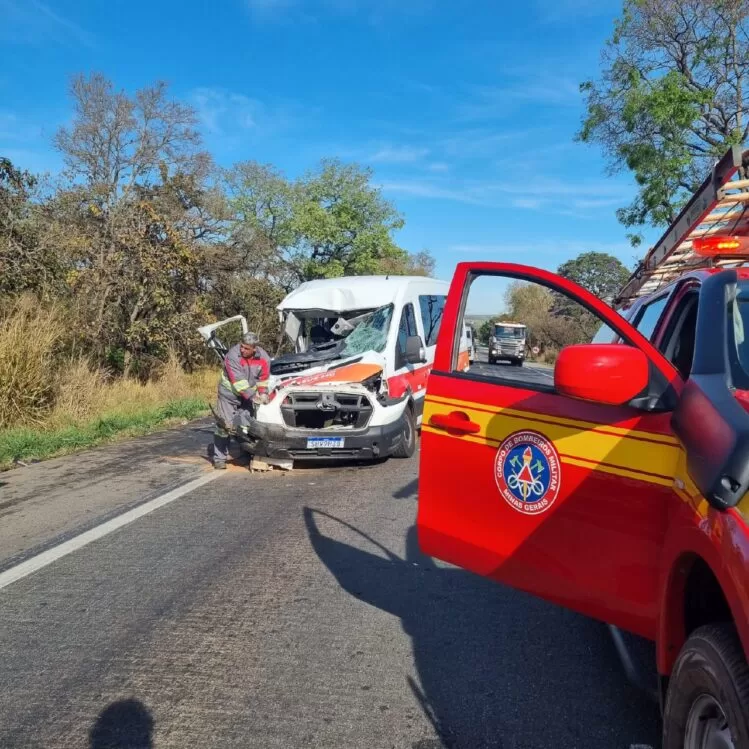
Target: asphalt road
530,372
279,610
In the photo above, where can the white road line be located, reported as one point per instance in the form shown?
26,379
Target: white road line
52,555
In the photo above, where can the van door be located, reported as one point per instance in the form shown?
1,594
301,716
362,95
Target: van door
527,480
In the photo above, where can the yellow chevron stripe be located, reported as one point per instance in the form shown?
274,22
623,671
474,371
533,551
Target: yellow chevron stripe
574,442
581,462
587,425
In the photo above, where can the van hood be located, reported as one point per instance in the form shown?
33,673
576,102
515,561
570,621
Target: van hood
352,374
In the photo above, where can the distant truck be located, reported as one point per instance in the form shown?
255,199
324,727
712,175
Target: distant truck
507,343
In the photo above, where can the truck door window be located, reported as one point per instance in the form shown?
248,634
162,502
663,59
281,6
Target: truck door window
678,342
431,307
647,317
406,328
523,327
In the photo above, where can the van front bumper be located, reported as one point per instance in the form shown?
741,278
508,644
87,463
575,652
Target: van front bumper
272,441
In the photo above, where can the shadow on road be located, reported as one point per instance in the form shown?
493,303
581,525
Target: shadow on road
408,491
125,724
496,669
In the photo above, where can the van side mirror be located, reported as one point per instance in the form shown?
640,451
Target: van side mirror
415,353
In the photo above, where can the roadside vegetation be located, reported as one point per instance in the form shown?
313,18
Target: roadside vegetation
107,269
53,401
553,321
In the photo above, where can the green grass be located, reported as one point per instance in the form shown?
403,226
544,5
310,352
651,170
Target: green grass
25,444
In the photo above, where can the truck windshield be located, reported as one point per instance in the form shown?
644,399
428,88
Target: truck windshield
506,331
370,334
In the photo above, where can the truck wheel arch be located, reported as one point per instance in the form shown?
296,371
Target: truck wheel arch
693,597
716,544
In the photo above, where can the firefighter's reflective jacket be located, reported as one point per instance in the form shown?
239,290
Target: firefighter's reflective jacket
242,378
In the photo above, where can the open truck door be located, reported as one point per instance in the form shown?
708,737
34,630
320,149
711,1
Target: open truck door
552,480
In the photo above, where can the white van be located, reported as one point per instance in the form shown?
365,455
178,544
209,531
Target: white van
354,386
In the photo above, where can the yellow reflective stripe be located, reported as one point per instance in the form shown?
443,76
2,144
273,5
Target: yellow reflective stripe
241,385
262,383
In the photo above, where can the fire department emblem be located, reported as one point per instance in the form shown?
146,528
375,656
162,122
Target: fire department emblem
527,472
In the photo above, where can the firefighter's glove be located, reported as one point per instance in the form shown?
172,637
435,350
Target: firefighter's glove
261,399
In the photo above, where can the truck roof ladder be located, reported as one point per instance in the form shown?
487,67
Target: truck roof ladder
720,206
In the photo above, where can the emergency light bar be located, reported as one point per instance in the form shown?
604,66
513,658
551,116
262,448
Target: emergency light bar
718,245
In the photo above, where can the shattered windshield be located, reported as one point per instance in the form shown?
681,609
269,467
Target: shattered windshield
370,334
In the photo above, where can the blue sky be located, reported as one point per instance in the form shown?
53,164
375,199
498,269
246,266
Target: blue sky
466,111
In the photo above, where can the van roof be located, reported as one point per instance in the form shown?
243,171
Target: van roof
355,292
510,324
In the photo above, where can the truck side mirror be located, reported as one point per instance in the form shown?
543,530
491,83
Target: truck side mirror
601,372
414,353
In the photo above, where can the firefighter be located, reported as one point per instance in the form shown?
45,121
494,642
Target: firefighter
245,374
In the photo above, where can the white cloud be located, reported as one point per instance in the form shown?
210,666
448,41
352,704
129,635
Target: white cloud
373,12
34,22
527,203
232,114
438,166
430,190
398,155
533,87
481,143
562,247
553,195
573,11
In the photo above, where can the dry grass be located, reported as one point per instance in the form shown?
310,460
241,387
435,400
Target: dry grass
85,393
51,403
30,337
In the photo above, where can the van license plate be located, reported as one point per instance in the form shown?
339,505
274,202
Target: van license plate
313,442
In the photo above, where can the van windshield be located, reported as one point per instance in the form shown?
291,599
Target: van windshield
370,334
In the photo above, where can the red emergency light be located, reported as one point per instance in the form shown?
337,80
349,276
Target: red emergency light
718,244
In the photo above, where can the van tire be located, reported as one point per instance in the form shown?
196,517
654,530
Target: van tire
407,445
710,677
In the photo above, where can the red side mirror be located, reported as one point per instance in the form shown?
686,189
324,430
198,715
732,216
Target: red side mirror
610,373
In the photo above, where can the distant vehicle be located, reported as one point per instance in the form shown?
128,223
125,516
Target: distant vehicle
470,341
507,343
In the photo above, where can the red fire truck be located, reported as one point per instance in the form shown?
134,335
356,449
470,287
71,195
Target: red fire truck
617,484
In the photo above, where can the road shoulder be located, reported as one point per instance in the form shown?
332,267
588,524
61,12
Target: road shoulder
45,503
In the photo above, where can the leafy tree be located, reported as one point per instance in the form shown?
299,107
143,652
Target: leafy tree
344,224
486,330
329,223
598,272
671,98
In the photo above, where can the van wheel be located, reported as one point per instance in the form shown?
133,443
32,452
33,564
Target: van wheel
407,445
707,704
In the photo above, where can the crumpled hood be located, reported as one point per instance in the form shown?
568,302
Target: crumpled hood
350,373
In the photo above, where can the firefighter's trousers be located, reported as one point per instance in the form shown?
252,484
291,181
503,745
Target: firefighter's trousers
227,405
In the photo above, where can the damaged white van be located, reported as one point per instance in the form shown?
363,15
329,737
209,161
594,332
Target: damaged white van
354,386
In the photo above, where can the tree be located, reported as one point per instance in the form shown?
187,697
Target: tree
119,141
671,98
331,222
134,222
598,272
27,263
343,223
